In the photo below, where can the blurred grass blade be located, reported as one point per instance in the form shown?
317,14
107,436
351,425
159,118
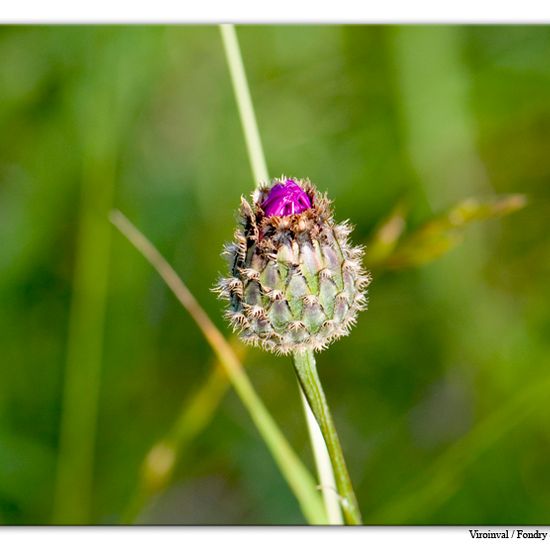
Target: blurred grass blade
102,114
72,499
296,474
84,356
158,466
441,480
439,127
441,234
386,236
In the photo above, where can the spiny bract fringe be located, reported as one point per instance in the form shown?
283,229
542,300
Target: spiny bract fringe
296,282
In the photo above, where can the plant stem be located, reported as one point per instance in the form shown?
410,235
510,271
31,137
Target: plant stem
244,103
324,466
296,474
259,170
306,371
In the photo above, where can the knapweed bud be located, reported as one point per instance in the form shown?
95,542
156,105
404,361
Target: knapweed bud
296,283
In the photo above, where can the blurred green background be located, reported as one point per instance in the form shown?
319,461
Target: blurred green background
440,394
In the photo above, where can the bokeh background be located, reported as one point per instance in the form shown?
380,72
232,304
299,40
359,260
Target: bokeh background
440,394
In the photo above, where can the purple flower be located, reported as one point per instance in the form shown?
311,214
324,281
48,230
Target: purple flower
285,199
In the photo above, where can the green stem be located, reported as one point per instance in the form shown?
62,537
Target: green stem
259,170
324,466
306,371
296,474
244,103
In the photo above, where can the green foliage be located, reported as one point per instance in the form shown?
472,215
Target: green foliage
434,392
390,249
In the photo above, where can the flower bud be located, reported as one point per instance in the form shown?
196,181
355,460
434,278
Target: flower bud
295,281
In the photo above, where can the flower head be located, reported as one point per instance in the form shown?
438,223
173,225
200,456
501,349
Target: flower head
296,283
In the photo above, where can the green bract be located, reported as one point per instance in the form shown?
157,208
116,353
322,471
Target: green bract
296,283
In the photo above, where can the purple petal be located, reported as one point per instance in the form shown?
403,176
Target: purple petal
285,199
